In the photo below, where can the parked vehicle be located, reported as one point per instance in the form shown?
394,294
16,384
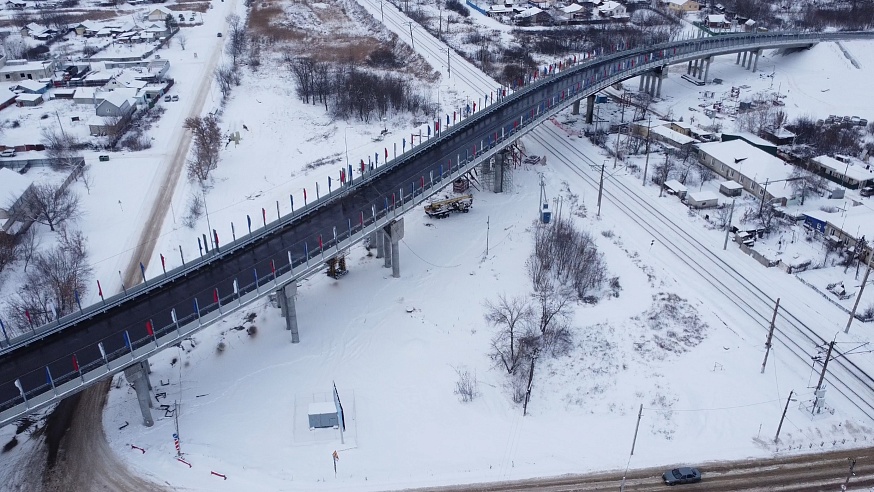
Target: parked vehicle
218,35
8,153
103,158
175,98
867,191
681,475
442,208
167,98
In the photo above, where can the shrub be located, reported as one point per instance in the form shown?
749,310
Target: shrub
457,7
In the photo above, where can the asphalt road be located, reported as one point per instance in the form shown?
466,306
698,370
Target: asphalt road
804,473
27,363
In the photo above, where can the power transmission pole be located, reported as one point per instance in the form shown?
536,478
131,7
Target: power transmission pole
850,474
448,64
777,437
646,164
665,177
636,428
601,187
828,355
728,226
770,336
859,295
412,40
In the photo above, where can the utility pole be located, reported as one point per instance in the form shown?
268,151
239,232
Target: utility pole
382,16
636,428
859,295
448,64
601,187
828,355
411,36
664,178
765,192
777,437
646,164
770,336
728,226
616,152
487,235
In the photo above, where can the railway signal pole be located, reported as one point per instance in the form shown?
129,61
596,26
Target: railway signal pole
828,356
777,436
601,187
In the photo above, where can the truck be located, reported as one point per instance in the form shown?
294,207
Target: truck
442,208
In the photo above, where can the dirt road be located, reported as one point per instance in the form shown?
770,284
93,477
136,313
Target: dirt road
806,473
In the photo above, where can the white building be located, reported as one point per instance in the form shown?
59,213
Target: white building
848,171
752,168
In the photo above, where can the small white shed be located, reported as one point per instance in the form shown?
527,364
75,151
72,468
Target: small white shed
731,188
674,187
322,414
702,199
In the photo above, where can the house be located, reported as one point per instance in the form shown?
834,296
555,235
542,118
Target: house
716,21
86,28
30,87
29,100
533,16
730,188
7,98
15,70
116,103
156,29
36,31
674,187
749,25
666,135
13,191
759,172
681,6
844,227
87,95
575,11
15,5
845,170
702,199
612,9
159,14
779,136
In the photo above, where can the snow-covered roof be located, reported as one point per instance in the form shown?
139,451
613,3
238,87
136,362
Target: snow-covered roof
321,407
750,22
856,221
703,196
117,97
678,2
529,12
570,9
752,138
12,185
29,97
84,92
6,96
675,185
752,162
716,19
854,169
609,6
672,135
30,85
731,185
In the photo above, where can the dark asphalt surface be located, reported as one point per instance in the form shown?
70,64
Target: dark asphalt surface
28,362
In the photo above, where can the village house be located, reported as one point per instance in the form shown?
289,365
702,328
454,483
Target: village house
158,14
845,170
682,6
612,9
533,16
15,70
13,188
752,168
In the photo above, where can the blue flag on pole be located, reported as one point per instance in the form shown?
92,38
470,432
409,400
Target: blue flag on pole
127,341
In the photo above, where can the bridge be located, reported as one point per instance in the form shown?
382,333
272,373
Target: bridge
118,334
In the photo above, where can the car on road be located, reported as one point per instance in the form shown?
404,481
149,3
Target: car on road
103,158
867,191
175,98
218,35
167,98
681,475
8,153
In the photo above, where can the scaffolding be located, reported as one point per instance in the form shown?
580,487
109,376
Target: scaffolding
496,173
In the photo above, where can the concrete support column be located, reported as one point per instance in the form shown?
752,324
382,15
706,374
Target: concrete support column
285,296
386,248
737,62
652,85
576,107
394,232
137,376
689,68
743,62
590,108
659,88
750,61
379,242
642,78
707,68
756,63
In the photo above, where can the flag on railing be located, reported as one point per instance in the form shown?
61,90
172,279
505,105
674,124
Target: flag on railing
76,362
386,153
149,329
20,388
49,379
215,295
127,341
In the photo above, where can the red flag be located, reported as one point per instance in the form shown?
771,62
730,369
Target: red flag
99,289
215,295
27,315
320,241
163,263
272,268
386,153
75,363
149,329
304,194
264,214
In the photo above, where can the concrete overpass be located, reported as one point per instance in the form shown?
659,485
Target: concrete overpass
119,334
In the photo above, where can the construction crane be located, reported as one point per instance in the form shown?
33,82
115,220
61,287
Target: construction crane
442,208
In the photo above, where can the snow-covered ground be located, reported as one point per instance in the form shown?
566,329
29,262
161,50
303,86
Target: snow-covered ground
393,346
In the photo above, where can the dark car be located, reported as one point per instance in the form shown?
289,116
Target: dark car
681,475
867,191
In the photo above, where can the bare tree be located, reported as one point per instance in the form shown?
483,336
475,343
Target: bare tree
510,343
805,183
236,45
207,144
50,204
182,39
9,250
28,244
663,170
61,148
224,76
49,291
14,47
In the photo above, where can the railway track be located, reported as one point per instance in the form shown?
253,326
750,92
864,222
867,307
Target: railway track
845,376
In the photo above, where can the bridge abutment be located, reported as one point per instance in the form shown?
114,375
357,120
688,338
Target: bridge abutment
756,63
285,295
576,107
379,243
137,375
393,233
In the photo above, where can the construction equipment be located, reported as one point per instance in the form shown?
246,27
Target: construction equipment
442,208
